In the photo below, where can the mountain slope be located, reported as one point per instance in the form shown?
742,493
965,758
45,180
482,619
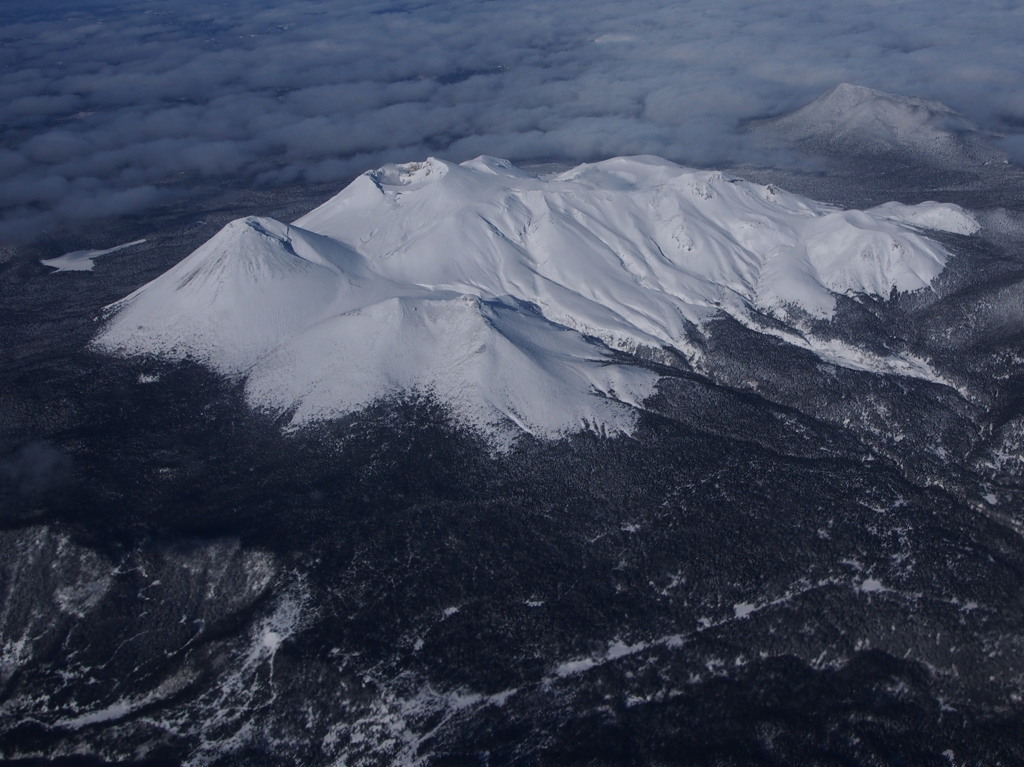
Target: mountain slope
851,120
503,295
500,367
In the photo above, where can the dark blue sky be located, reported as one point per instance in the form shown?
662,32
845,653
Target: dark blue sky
113,108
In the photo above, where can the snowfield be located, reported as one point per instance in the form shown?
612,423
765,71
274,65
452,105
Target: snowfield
83,260
507,296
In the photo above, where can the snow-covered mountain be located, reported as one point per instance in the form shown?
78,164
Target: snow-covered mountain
851,120
514,299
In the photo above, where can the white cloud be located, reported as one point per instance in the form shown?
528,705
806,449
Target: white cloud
116,101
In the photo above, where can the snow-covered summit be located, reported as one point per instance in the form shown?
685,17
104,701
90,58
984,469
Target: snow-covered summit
639,237
504,295
867,105
853,119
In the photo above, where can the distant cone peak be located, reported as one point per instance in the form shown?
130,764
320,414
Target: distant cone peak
849,89
847,96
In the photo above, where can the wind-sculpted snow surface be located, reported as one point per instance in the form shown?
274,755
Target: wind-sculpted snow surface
508,297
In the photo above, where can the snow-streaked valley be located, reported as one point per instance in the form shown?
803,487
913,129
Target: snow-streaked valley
510,298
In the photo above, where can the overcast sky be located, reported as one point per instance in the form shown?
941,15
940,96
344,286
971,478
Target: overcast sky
115,107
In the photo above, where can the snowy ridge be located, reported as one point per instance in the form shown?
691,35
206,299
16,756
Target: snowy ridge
939,216
238,296
503,295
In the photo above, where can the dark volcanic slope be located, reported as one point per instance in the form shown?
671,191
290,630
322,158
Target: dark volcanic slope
790,563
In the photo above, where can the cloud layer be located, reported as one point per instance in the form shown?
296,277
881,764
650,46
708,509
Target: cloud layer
115,108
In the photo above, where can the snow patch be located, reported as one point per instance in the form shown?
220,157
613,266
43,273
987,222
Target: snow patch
871,586
83,260
743,610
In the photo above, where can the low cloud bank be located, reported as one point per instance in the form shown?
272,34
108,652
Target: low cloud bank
116,109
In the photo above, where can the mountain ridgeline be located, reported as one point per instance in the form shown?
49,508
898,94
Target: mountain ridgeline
523,304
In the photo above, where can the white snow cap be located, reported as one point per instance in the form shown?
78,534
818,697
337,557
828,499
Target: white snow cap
503,294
